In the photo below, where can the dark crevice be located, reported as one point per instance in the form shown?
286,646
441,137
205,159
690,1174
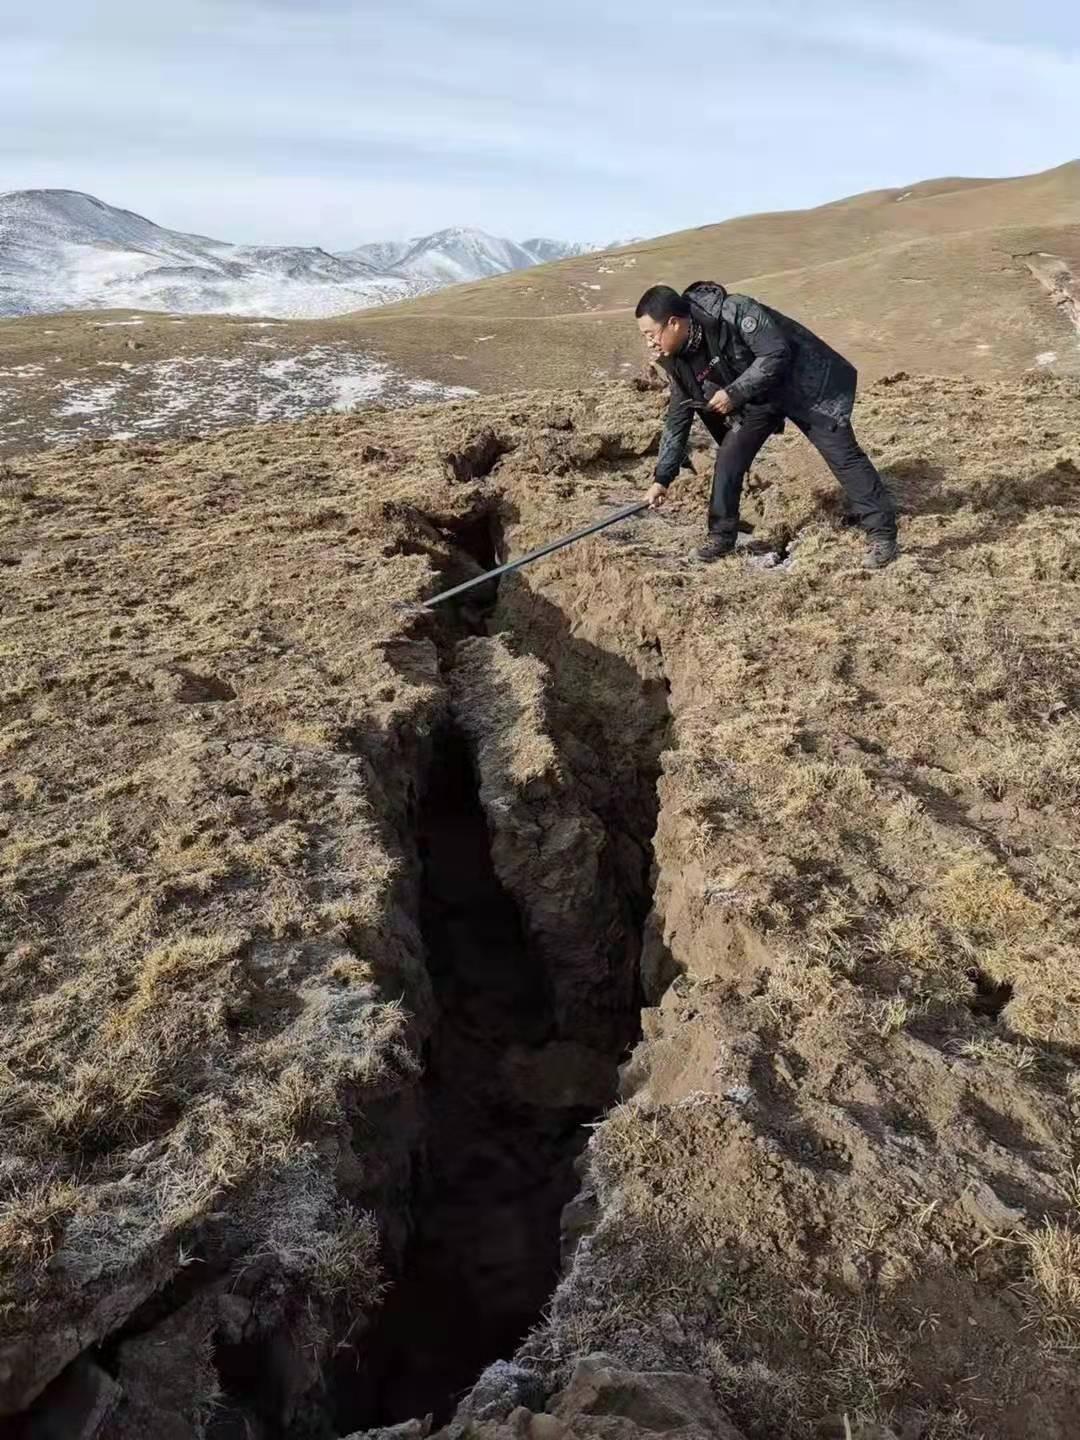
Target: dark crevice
251,1391
990,996
499,1164
479,536
498,1169
477,459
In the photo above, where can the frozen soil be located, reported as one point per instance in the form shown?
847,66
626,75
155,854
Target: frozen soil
328,923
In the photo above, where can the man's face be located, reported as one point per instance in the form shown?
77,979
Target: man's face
664,337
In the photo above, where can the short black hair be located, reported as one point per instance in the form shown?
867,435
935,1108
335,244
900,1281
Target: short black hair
660,303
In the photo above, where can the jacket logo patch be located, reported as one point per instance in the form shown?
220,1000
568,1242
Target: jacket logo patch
749,325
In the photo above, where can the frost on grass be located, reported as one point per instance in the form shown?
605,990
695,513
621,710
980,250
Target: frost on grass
210,392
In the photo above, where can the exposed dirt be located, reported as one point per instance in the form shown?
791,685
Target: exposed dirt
824,824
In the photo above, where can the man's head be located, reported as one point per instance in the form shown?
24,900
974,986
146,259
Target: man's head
663,318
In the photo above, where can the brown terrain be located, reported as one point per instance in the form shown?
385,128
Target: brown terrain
651,986
954,277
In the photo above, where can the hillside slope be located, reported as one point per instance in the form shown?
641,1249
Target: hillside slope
948,275
958,277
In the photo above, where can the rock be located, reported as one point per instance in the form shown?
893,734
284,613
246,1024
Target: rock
605,1401
988,1211
32,1361
407,1430
168,1377
75,1406
547,1427
502,1388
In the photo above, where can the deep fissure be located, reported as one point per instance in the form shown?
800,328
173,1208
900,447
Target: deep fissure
499,1164
498,1170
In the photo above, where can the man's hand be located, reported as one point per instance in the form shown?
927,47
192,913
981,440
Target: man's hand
721,403
656,496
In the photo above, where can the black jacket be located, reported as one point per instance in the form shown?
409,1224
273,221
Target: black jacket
759,357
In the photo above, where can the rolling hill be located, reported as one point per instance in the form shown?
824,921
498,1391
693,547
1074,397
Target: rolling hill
951,276
958,276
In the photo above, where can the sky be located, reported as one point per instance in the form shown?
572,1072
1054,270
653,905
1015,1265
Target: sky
331,122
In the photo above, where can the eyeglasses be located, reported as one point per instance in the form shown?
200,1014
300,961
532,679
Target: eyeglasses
652,337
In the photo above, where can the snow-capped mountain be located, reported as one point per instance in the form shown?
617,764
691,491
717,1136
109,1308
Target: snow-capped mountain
547,250
381,254
458,254
63,250
452,256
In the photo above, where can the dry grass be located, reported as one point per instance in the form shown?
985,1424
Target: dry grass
1052,1298
500,704
210,955
204,957
867,874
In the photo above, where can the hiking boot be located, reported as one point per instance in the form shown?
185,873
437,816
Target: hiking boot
881,550
719,544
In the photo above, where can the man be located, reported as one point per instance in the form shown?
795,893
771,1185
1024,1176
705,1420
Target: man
744,368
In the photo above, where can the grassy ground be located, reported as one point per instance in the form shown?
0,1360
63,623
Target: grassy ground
844,1177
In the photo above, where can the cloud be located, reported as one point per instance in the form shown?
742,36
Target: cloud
577,119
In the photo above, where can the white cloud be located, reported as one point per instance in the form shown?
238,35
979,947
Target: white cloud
325,122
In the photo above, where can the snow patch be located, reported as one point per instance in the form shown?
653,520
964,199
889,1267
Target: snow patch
1046,358
352,390
21,372
208,392
87,399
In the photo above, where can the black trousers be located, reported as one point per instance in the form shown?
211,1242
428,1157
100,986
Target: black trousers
834,440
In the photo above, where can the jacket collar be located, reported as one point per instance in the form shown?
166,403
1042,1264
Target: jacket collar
695,338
